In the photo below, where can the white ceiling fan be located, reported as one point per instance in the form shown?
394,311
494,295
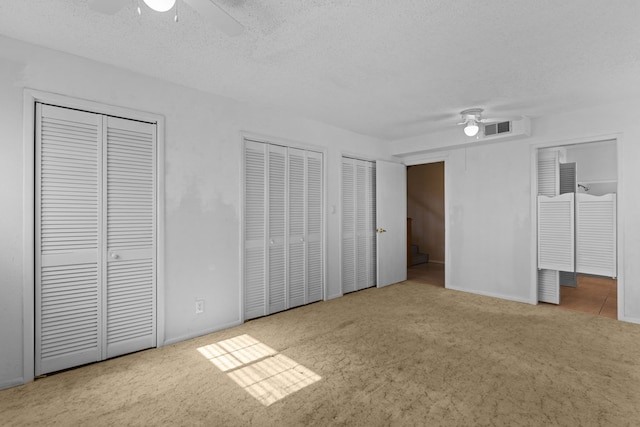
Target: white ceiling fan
207,8
472,118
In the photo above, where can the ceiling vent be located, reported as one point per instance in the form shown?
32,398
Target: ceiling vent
507,129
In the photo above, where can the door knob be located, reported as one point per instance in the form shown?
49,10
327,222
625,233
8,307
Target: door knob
381,230
114,255
302,239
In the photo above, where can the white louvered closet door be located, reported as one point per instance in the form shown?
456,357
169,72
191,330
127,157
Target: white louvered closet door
283,210
314,237
596,230
255,203
556,241
297,256
130,256
358,225
68,230
348,225
276,227
95,237
370,230
548,185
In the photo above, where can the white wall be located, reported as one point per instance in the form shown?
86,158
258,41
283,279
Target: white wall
597,166
491,248
203,185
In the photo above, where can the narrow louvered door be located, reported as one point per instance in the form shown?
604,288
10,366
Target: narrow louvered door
68,229
596,230
348,225
556,242
362,221
296,225
130,223
255,230
370,230
314,219
276,227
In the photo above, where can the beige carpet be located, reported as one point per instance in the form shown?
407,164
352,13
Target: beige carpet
408,354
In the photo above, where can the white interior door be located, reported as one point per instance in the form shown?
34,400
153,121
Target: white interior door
254,229
68,230
95,237
129,194
391,219
276,228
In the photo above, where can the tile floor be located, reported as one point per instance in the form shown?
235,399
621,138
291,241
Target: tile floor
595,295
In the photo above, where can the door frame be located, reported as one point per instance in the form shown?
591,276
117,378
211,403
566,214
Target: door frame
30,98
534,149
436,158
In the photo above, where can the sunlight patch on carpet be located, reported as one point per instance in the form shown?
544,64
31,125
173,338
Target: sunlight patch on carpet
260,370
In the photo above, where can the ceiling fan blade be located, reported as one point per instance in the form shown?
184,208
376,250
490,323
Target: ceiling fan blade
108,7
219,17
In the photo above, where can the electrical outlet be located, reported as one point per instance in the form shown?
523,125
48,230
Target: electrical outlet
199,306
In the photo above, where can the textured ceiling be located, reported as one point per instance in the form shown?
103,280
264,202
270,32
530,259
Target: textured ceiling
386,68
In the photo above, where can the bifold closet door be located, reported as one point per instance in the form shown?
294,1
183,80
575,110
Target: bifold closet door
95,237
283,259
358,225
255,217
68,238
276,228
305,251
130,224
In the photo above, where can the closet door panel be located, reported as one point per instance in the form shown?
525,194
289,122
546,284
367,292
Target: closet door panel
297,226
255,230
315,259
556,243
348,225
362,219
596,234
370,230
68,226
130,256
277,224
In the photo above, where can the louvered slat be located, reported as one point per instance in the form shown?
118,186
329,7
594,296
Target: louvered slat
67,238
130,306
556,232
596,242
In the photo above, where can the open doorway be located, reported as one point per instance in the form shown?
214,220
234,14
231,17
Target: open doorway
587,173
426,223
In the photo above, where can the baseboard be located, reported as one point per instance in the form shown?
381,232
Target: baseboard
433,261
12,383
491,294
330,297
202,332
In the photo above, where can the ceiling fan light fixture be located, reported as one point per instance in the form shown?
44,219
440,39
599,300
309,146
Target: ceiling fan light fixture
160,5
471,128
